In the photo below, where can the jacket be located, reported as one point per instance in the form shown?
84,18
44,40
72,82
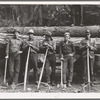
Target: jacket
14,46
51,50
66,49
92,48
34,46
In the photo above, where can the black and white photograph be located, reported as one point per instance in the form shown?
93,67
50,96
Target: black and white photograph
50,48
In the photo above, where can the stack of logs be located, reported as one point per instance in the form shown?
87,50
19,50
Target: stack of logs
57,32
77,34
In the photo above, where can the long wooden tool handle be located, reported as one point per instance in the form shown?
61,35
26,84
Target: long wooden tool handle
42,69
26,69
88,68
61,73
5,72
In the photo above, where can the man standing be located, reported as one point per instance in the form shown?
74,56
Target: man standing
88,43
51,58
67,51
33,57
14,49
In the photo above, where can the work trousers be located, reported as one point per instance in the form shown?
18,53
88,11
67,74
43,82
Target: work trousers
33,63
85,74
14,68
50,62
68,69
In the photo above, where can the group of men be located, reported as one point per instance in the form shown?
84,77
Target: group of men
66,52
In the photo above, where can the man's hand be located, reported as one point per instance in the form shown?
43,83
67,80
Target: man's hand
88,44
74,60
71,54
46,44
7,57
30,44
62,59
19,52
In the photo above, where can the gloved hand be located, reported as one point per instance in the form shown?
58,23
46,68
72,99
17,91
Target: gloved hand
7,57
19,52
62,59
46,44
71,54
88,45
29,44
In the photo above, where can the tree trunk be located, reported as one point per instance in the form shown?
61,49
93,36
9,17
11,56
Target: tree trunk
81,15
73,15
76,31
40,16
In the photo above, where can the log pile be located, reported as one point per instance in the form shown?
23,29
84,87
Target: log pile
77,33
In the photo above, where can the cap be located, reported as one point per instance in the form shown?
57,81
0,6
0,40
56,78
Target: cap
16,30
48,33
87,32
13,30
66,33
30,31
67,30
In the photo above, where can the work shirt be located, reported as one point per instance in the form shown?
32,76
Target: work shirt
14,46
51,43
66,48
92,48
34,46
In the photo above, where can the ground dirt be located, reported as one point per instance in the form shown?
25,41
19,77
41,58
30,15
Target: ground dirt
76,87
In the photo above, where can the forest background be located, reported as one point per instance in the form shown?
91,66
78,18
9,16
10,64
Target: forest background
49,15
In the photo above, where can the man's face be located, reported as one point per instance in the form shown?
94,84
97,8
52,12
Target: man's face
16,34
31,36
46,37
66,36
88,36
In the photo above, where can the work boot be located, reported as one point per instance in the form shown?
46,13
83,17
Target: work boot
64,86
48,82
4,84
13,85
36,82
84,83
53,84
92,84
69,84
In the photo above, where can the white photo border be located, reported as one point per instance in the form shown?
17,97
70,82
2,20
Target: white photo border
50,95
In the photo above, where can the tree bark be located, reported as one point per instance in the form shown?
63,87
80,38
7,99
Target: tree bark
40,15
76,31
81,15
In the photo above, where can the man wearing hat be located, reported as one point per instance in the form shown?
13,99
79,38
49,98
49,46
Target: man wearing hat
33,58
13,51
67,51
87,43
51,58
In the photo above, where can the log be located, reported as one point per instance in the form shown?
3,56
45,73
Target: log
76,31
76,40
